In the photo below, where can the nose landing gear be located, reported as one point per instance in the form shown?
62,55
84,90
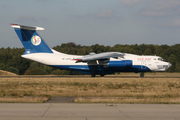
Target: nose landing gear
142,75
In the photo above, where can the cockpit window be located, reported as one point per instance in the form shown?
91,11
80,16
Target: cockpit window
162,59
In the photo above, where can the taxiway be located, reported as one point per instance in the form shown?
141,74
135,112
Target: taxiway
72,111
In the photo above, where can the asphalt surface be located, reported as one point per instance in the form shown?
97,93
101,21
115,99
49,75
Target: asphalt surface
72,111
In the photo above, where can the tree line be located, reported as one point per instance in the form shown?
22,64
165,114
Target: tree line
11,60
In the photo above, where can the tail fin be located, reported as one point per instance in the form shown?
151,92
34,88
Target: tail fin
31,41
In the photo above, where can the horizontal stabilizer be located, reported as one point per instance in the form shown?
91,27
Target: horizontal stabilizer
26,27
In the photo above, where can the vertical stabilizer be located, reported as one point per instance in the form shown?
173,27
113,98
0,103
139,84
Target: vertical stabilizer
32,42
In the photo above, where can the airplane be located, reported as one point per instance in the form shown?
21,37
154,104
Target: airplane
94,64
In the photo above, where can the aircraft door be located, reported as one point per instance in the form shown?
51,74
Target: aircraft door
143,65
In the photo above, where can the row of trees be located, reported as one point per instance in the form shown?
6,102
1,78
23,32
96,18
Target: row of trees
11,60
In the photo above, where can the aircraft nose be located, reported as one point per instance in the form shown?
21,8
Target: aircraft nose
169,65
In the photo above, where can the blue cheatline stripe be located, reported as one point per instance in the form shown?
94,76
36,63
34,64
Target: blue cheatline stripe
25,37
98,70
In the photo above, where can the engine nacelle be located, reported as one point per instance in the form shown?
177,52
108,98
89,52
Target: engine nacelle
123,63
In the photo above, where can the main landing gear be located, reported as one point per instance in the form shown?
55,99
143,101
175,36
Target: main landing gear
102,75
142,74
94,75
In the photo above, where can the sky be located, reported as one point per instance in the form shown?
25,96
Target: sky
89,22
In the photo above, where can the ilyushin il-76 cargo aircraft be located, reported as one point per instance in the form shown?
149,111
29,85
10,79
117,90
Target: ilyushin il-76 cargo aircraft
94,64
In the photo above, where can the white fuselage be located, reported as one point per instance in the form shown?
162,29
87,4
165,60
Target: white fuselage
152,63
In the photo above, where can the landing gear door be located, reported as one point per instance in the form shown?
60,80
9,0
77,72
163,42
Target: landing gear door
143,65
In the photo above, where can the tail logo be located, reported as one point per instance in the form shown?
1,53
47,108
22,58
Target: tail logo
36,40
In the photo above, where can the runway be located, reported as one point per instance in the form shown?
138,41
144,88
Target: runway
85,76
72,111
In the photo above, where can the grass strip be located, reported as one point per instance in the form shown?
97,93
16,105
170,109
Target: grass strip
115,90
24,99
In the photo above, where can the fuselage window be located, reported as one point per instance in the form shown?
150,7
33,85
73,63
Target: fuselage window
162,60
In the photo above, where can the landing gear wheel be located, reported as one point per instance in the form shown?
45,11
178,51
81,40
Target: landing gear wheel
142,74
102,75
93,75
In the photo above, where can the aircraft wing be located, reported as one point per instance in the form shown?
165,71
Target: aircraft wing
100,56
